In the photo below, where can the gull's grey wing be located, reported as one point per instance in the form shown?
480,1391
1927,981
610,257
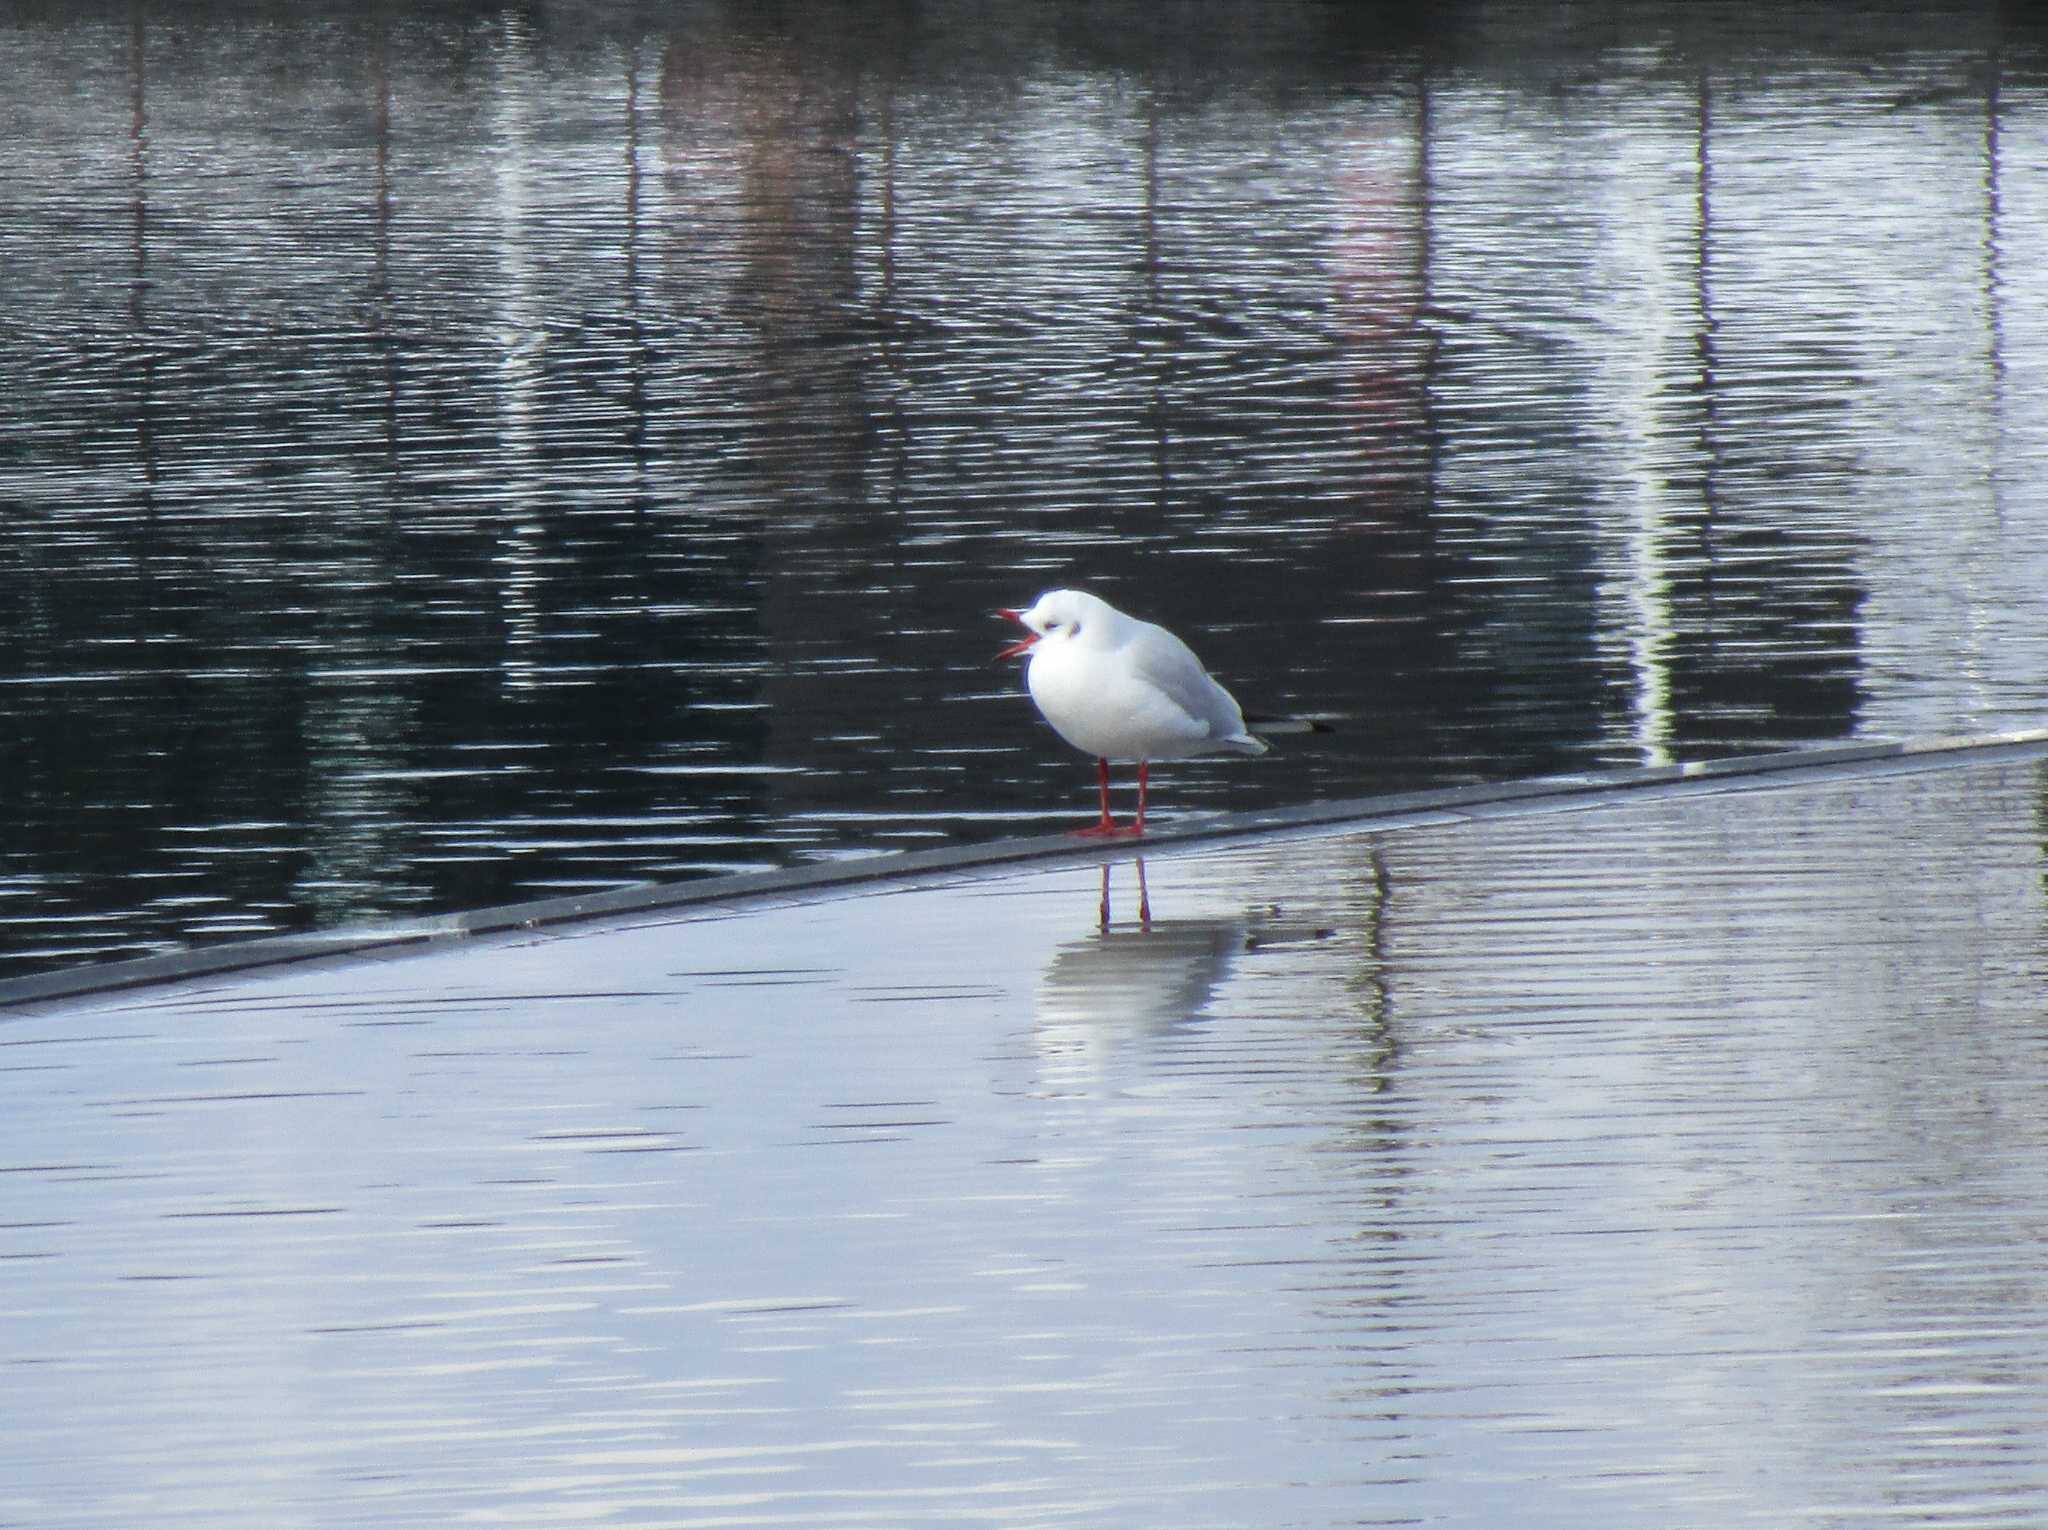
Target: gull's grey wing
1163,660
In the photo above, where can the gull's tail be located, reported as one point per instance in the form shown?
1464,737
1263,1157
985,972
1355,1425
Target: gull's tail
1267,727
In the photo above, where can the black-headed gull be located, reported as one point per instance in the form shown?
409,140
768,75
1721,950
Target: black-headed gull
1123,689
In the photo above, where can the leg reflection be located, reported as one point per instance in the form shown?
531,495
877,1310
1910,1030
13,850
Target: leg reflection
1144,897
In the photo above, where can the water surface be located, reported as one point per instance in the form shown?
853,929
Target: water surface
457,454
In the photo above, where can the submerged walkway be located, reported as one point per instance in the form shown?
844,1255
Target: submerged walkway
1381,814
1642,1148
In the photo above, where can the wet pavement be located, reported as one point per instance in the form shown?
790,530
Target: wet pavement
1588,1155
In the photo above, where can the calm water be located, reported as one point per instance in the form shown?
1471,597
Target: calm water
1672,1164
457,453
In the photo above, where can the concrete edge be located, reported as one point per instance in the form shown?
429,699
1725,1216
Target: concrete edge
1390,813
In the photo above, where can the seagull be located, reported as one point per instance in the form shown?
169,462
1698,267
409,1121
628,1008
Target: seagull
1124,689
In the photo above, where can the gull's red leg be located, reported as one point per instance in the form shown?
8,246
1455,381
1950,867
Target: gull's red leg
1106,828
1144,781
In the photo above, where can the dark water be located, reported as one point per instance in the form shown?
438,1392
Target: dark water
455,453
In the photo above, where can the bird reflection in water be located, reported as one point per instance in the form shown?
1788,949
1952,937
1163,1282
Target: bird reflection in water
1135,983
1144,896
1127,985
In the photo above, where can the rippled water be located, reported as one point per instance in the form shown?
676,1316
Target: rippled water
1674,1163
453,455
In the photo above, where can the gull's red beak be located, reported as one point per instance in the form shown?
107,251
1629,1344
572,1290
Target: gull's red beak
1023,646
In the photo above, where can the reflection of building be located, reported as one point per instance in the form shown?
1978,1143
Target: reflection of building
535,455
760,238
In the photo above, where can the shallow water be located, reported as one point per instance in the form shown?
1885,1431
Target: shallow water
457,454
1679,1162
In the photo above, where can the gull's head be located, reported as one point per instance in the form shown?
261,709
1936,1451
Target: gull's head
1060,616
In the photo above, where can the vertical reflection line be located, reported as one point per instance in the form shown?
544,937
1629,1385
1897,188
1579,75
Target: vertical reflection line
1994,284
1707,333
381,305
1155,315
889,345
138,286
637,357
885,254
519,554
1425,300
1375,981
1647,580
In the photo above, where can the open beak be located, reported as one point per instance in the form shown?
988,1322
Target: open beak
1020,647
